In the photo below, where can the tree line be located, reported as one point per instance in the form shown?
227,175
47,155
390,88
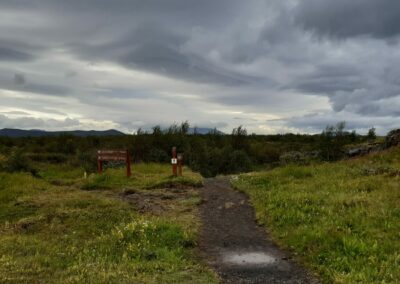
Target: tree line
210,154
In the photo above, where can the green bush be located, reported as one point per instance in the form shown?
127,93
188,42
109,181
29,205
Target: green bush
294,157
18,162
238,162
157,156
87,160
55,158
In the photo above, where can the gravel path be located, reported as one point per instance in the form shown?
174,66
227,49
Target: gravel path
235,246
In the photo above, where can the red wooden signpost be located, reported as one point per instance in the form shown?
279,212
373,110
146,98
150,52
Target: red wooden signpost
180,164
111,155
177,162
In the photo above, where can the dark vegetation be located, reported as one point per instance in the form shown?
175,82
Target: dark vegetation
210,154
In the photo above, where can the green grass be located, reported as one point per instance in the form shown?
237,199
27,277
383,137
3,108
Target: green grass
144,176
342,220
55,232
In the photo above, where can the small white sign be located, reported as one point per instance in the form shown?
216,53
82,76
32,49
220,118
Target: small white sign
174,161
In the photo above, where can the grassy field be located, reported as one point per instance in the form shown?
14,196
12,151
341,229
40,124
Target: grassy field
342,220
61,228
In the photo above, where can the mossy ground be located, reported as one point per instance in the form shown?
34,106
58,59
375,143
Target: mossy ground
52,230
341,219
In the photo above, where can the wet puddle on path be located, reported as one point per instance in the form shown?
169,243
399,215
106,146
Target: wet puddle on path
248,258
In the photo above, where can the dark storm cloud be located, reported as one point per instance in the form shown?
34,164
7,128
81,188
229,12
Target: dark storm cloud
329,79
155,49
250,58
9,54
350,18
168,61
12,50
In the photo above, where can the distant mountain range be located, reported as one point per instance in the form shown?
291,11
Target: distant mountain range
16,133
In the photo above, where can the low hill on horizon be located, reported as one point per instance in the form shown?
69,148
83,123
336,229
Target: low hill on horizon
17,133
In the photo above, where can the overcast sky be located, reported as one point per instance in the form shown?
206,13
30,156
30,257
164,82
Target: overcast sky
273,66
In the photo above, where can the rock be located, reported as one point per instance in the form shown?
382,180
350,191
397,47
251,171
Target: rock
393,138
365,149
229,205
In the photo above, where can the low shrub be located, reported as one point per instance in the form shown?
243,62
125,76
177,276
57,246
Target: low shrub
294,157
238,162
53,158
149,239
18,162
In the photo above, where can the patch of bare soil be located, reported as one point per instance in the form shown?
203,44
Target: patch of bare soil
157,202
234,244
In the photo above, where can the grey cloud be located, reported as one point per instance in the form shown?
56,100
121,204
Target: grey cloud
345,19
20,82
329,79
38,88
9,54
153,48
352,88
316,122
32,122
252,56
16,112
188,11
18,50
70,74
123,93
34,103
19,79
48,89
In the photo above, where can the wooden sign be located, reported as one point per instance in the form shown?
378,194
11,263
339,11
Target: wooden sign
177,162
114,155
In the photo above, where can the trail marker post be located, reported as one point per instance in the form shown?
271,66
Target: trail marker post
180,164
174,162
112,155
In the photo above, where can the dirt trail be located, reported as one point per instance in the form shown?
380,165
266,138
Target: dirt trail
235,246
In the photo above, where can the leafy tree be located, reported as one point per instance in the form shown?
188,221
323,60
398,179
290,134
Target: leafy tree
157,130
184,127
140,131
371,134
239,139
173,129
333,139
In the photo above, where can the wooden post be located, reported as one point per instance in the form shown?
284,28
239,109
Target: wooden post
99,166
128,163
180,164
174,162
